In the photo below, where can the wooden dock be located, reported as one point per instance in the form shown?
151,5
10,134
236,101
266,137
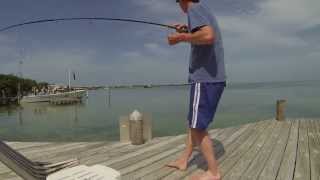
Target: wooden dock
65,101
265,150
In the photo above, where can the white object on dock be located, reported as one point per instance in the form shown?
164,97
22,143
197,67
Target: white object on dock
82,172
136,116
136,128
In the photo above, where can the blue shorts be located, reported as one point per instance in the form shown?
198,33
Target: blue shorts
204,99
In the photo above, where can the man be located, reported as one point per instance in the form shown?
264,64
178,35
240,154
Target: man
207,76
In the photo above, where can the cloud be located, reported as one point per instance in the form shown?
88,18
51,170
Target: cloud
8,49
280,38
131,54
291,12
311,35
167,7
51,65
157,49
167,11
260,36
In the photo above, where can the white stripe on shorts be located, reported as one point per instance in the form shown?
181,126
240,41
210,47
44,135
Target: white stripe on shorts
194,102
196,105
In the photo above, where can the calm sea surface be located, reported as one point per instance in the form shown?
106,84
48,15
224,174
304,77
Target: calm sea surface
95,120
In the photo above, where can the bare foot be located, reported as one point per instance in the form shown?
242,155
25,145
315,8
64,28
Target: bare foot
206,176
179,164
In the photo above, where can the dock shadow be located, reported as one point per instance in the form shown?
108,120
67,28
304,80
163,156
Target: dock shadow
199,161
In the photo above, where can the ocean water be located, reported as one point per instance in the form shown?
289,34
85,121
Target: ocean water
97,120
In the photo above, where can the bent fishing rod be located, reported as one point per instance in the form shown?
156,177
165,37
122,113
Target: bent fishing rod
95,19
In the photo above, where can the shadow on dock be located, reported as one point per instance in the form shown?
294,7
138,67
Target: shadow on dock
262,150
198,159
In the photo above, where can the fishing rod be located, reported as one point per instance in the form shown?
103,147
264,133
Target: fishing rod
92,18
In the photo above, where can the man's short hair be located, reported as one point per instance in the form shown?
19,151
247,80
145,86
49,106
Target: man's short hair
195,1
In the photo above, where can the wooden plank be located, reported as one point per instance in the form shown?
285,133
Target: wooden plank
84,157
21,171
14,178
286,170
272,166
143,151
88,151
241,165
54,156
176,139
10,175
38,152
69,152
80,151
314,150
116,157
36,155
148,160
317,129
61,154
240,135
145,161
158,165
219,151
243,148
237,149
51,147
26,145
302,170
159,171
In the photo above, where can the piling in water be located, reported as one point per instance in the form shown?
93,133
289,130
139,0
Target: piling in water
280,116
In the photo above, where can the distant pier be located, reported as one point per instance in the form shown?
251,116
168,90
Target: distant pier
65,101
270,149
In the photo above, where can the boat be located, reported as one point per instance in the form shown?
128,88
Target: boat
47,97
63,93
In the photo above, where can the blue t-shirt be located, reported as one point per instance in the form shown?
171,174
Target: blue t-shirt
206,61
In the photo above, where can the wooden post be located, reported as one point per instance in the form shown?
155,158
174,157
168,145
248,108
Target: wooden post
147,127
124,129
136,128
280,110
108,97
130,130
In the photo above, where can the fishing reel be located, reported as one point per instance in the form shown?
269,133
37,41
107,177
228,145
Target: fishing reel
183,29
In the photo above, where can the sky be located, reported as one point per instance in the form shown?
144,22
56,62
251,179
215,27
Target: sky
264,40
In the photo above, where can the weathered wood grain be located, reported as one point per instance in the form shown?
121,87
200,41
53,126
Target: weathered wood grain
265,150
314,151
287,166
163,171
219,152
146,161
302,170
240,167
239,148
271,167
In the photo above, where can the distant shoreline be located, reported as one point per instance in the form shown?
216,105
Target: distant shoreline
235,85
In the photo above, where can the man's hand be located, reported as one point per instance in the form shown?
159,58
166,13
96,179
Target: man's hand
181,28
176,38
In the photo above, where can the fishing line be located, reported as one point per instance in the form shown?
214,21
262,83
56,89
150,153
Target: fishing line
90,19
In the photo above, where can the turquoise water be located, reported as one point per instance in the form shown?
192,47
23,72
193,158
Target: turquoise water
95,120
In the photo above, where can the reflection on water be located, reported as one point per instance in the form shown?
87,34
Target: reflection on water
97,117
20,118
40,110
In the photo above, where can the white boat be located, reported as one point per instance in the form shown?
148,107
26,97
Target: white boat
46,98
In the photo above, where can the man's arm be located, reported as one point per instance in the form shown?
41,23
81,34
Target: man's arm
204,36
